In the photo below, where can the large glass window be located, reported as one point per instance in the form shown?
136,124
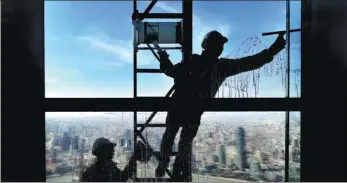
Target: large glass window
218,152
89,54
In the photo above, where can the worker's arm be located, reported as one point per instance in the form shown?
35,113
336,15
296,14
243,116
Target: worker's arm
87,175
180,68
142,153
173,70
166,65
128,170
230,67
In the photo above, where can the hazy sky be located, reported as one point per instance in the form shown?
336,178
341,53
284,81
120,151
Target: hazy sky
88,45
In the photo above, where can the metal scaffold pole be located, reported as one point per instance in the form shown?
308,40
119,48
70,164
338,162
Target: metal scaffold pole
184,38
287,130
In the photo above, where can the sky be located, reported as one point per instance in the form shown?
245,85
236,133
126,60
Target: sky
89,53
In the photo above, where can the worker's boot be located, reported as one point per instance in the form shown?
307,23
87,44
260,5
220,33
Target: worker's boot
164,161
176,177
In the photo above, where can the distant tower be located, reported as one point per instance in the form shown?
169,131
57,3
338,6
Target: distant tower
129,145
194,163
295,151
222,155
83,144
70,149
127,135
128,139
54,155
215,158
276,154
70,131
241,159
75,144
66,142
121,142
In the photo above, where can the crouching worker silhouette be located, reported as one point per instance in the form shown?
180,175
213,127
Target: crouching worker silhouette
105,170
199,77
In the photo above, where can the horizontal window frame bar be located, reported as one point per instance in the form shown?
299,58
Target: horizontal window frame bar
149,71
147,104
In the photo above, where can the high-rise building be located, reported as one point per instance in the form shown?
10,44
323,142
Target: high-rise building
128,139
241,159
129,145
222,155
127,135
193,160
56,141
70,131
66,142
83,144
121,142
215,158
295,151
54,155
75,144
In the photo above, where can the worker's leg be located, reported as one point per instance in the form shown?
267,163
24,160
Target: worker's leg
183,159
166,145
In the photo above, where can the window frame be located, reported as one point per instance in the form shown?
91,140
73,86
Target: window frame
148,104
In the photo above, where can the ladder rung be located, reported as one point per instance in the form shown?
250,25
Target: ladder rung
152,180
149,71
159,15
164,48
152,125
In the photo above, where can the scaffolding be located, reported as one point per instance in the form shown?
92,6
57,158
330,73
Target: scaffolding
184,38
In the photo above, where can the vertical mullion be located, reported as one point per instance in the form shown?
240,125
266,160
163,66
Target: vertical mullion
135,92
286,171
187,9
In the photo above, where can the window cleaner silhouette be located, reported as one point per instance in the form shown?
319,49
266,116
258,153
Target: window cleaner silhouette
105,170
198,78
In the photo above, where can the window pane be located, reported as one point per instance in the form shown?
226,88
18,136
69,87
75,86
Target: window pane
216,152
269,80
295,65
88,49
295,147
295,50
253,143
88,53
70,137
244,37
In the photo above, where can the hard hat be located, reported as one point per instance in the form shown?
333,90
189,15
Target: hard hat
213,37
101,142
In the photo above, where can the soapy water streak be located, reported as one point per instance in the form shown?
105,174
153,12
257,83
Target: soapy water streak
238,86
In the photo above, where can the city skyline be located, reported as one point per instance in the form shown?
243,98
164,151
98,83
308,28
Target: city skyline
207,116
